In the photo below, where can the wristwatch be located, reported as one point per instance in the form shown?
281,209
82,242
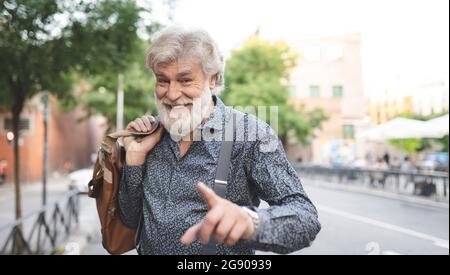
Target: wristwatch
255,218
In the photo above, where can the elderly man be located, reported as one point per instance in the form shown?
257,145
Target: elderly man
169,176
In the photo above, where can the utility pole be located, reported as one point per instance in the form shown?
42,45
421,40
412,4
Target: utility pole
120,102
45,156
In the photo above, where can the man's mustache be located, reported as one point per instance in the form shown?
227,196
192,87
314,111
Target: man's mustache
178,102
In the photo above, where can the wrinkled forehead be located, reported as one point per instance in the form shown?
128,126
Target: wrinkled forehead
181,66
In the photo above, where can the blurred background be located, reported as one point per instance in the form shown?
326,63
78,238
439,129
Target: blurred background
362,90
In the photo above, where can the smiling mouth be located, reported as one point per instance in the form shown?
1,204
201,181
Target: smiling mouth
177,106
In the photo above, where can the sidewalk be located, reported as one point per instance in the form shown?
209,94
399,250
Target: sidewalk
52,182
31,196
31,202
87,240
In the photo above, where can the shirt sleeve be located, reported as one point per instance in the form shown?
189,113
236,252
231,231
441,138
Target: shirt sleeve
130,194
291,222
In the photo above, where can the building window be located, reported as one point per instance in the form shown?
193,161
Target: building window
338,91
335,53
312,53
24,124
314,91
349,131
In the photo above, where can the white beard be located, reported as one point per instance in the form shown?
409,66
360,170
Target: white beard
179,121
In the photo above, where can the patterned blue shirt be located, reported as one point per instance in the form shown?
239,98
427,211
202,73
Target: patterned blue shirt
164,187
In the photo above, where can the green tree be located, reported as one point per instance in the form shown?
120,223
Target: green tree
45,44
257,75
408,145
139,86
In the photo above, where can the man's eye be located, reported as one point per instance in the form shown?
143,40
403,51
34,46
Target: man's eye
165,81
184,81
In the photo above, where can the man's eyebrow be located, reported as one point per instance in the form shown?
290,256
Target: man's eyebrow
185,73
159,75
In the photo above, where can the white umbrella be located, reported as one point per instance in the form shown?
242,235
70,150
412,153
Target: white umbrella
396,128
437,127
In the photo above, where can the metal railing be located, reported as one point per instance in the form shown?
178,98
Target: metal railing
421,183
52,225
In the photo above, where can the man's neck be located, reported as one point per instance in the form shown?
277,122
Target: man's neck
184,144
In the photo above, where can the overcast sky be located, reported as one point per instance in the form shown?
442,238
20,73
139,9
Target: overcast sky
402,39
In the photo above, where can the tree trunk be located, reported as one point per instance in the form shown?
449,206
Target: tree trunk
19,94
18,203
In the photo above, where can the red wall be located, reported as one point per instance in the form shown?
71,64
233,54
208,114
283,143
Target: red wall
68,141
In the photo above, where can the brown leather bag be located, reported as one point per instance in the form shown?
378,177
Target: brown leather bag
117,238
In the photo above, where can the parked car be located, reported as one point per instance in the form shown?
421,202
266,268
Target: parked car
436,161
79,179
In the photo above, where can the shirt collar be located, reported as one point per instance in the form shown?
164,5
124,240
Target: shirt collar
216,119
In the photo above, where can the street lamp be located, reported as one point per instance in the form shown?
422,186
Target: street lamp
10,137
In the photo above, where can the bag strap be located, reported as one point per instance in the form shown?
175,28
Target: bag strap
223,170
127,133
224,162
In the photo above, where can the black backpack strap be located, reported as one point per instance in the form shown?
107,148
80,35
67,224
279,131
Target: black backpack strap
223,170
224,162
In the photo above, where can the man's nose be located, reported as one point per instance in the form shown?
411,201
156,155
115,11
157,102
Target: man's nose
174,92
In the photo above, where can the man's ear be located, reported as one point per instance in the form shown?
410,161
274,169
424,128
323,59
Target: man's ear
212,81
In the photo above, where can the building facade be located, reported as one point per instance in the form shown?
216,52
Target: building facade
425,99
329,76
71,141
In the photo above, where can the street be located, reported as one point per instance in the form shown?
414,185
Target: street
355,223
352,222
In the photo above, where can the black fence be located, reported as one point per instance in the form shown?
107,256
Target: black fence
422,183
41,231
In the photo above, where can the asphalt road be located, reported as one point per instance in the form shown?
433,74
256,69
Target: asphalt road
356,223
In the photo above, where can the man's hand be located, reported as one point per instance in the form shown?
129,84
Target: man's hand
136,152
225,221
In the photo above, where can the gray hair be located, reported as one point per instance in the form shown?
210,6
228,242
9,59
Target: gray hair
176,43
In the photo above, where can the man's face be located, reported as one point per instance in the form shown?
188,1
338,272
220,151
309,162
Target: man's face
183,96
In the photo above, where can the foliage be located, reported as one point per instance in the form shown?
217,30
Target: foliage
257,75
